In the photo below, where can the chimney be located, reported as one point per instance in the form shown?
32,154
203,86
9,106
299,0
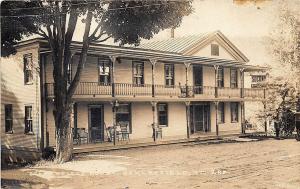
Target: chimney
172,32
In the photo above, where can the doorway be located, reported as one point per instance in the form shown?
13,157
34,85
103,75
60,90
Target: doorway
96,122
200,118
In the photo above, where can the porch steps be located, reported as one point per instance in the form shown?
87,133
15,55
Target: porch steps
110,147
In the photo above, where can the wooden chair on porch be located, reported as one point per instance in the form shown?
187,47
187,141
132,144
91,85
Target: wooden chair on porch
111,131
81,136
124,130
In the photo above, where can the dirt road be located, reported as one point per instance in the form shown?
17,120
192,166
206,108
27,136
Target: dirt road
261,164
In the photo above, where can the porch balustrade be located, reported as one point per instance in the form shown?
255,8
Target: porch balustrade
229,92
254,93
163,90
127,89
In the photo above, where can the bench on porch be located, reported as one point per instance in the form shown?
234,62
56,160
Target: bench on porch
81,136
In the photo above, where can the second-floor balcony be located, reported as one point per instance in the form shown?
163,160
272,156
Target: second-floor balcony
147,90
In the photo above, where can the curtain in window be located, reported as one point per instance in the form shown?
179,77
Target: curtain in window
233,78
220,77
138,73
234,106
169,74
104,70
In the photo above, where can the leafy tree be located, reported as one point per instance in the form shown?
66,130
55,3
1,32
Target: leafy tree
285,45
285,42
125,21
280,104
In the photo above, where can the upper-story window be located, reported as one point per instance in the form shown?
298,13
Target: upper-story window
28,69
138,72
233,78
104,70
221,112
214,50
220,78
169,74
28,119
8,118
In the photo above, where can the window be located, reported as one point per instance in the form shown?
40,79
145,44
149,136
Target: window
104,70
169,74
123,114
214,50
221,112
162,114
8,118
28,68
233,78
234,107
258,78
138,73
28,119
220,78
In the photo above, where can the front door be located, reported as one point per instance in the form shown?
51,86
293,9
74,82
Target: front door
198,79
200,116
96,123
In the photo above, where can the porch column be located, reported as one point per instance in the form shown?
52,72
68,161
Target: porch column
242,81
265,121
154,114
114,104
217,121
187,65
112,78
216,80
153,62
243,117
188,122
75,117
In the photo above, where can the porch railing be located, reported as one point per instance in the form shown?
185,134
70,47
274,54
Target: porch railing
85,88
163,90
204,90
229,92
127,89
254,93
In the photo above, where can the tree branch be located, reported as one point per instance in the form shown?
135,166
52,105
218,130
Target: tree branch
41,33
83,55
102,40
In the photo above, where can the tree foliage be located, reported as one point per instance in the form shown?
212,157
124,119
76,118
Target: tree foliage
280,104
56,21
284,44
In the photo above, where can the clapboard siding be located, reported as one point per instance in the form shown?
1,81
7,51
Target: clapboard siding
15,92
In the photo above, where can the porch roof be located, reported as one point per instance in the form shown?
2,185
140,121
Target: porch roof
146,54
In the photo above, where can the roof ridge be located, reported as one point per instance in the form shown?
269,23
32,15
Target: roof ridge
176,38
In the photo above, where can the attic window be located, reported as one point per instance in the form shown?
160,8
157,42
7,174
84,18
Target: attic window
214,50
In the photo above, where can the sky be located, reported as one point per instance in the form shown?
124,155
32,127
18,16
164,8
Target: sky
246,25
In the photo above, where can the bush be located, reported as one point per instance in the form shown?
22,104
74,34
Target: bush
48,153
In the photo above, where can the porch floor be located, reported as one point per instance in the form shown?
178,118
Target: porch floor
145,142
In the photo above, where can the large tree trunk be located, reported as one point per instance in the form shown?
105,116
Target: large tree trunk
64,141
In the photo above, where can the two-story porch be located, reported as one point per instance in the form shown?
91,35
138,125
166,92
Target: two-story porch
181,95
